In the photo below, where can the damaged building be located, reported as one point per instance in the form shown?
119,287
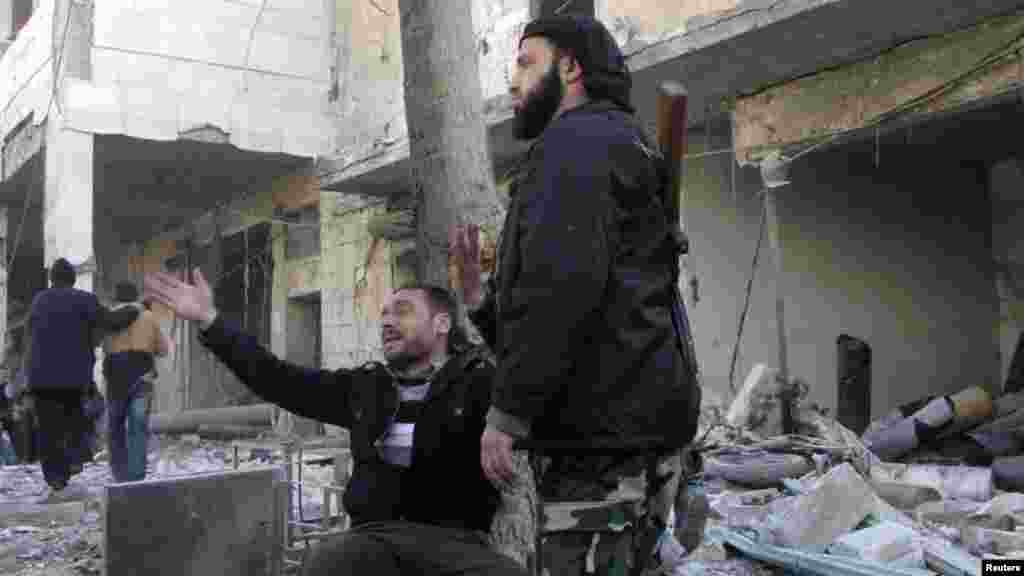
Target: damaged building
262,141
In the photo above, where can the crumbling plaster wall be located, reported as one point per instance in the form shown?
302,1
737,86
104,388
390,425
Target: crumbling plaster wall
869,251
26,71
367,101
355,277
637,23
256,70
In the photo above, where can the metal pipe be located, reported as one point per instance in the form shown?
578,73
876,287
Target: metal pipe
189,421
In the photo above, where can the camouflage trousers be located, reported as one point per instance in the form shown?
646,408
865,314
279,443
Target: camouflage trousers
585,498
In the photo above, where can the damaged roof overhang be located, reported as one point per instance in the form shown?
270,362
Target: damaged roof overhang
144,188
743,52
919,82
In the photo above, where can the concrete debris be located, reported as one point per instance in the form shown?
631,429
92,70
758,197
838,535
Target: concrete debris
847,511
839,502
757,406
885,542
66,537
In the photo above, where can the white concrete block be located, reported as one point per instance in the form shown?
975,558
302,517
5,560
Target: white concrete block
313,7
299,23
131,30
303,133
130,69
249,128
92,107
205,80
195,111
883,542
149,113
287,55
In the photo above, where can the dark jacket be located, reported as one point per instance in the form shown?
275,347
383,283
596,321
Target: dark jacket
65,325
580,313
445,485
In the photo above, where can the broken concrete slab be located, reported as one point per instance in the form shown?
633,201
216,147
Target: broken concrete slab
884,542
221,523
835,505
905,496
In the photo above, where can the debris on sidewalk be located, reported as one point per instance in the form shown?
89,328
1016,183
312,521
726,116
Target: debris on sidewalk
65,535
929,488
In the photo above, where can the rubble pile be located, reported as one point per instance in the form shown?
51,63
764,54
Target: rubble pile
42,535
932,488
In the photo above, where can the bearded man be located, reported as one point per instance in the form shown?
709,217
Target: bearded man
584,314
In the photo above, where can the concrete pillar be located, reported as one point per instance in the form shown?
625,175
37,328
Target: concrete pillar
68,201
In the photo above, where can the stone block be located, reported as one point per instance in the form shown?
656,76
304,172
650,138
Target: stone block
835,505
222,523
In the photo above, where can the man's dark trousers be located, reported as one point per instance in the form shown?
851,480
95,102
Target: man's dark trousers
408,549
62,429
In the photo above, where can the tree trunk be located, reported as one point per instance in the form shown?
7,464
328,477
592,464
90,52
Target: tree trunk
451,168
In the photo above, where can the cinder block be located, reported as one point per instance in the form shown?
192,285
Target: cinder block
220,523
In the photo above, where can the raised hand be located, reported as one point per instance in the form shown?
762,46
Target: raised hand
464,244
191,302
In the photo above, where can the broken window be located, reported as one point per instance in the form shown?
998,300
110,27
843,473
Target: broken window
243,290
303,240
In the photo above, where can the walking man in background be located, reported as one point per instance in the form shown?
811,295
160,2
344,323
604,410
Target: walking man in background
65,325
129,368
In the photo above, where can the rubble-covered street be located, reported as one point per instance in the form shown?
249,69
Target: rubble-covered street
65,537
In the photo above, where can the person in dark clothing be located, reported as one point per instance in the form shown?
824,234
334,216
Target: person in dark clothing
583,311
419,502
129,367
64,325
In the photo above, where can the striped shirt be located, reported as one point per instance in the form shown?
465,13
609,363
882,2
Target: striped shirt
395,446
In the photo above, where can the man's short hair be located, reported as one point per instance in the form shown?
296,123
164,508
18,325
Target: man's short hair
126,292
62,274
441,300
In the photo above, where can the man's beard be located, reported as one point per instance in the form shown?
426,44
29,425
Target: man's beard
539,108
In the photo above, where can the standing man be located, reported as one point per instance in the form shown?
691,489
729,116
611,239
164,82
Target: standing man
419,502
129,368
582,314
64,327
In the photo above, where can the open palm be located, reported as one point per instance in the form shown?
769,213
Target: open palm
189,301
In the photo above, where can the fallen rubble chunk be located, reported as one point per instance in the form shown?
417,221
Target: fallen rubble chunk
950,560
905,496
835,505
884,542
980,541
967,482
756,468
1008,473
948,512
